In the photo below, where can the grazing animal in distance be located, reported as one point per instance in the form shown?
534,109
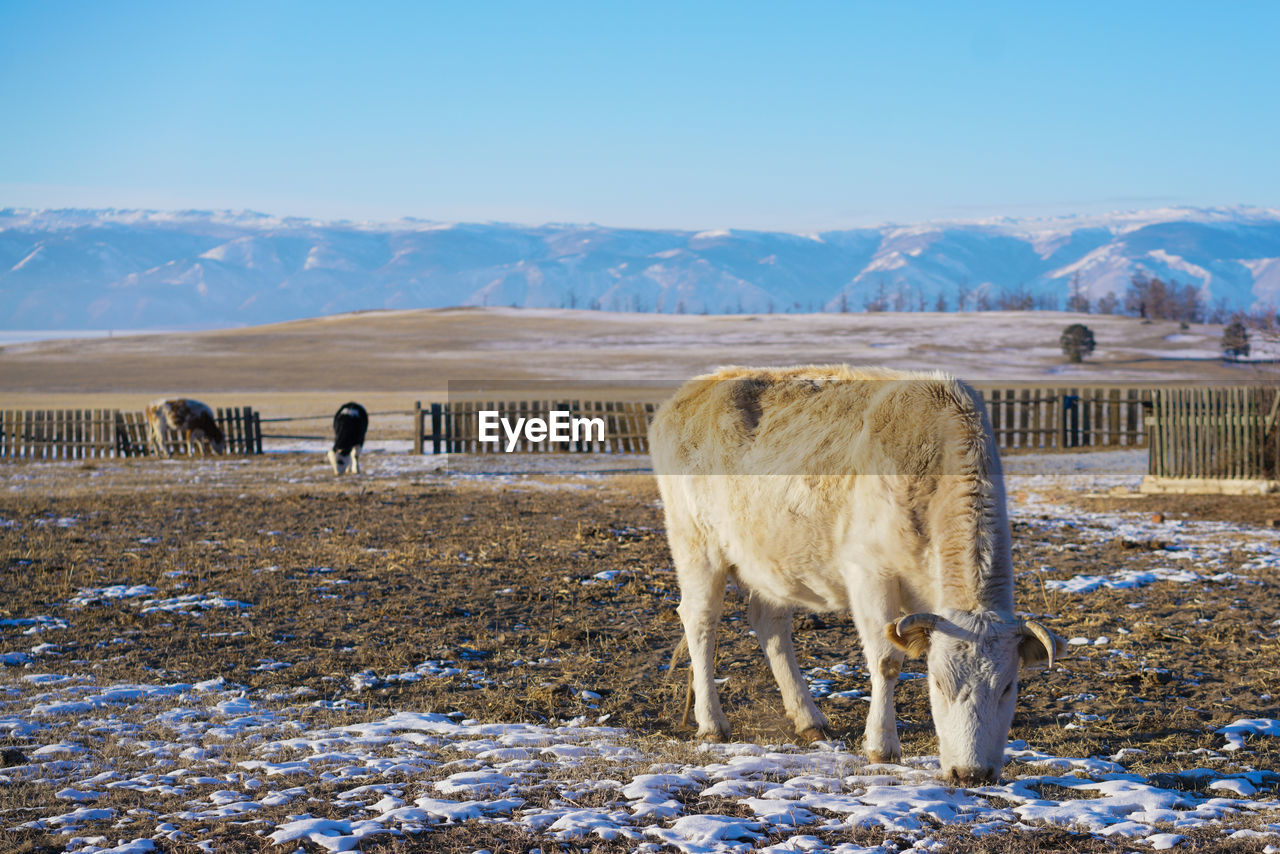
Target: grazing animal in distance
350,423
188,420
871,491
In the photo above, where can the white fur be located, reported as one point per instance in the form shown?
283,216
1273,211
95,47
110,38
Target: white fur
340,462
831,489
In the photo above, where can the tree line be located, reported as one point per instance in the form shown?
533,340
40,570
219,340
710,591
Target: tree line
1147,297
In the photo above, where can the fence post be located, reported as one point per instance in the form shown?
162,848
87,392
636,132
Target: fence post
417,427
1070,420
1085,406
993,411
1155,437
437,412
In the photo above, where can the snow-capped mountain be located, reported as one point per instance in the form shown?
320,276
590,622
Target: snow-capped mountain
86,269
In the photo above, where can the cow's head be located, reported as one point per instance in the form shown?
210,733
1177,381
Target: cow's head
340,461
973,682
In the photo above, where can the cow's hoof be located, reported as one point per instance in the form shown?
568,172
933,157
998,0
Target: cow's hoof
881,757
812,734
714,736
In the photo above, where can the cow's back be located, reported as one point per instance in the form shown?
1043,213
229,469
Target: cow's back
770,467
816,420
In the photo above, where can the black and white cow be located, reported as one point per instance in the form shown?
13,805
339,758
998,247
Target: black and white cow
350,423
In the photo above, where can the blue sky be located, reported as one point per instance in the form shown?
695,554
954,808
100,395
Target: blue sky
793,116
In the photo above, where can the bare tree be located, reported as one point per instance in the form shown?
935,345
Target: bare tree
880,303
1235,340
1078,301
1160,300
1017,299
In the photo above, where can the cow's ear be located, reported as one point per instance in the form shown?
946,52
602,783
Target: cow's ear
1039,645
911,634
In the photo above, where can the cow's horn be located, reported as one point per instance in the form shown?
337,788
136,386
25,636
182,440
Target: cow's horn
897,633
926,620
1043,635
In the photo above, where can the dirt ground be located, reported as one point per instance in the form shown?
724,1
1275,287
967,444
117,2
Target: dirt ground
557,585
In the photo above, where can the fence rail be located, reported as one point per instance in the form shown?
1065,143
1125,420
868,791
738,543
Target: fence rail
77,434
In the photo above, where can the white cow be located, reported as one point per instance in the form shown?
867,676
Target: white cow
872,491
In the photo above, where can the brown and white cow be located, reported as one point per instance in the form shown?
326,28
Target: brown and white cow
870,491
185,420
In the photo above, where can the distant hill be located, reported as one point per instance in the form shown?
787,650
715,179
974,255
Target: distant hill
99,269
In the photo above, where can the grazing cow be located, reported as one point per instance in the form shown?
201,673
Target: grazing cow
350,423
189,420
873,491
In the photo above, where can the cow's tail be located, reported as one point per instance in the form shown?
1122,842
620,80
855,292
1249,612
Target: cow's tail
678,656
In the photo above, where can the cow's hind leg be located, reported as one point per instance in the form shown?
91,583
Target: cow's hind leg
872,609
702,582
772,624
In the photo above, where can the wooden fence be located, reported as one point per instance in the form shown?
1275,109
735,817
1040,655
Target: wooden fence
1021,418
454,427
1227,432
1063,418
58,434
77,434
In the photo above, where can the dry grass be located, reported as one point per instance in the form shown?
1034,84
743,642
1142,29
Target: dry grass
501,577
415,353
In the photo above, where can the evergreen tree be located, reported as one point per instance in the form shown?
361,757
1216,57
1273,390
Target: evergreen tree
1077,342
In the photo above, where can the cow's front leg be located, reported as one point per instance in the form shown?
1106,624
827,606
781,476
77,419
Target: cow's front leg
702,583
884,663
772,624
881,740
355,460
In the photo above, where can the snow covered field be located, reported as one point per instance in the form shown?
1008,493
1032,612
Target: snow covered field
230,756
410,772
102,765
